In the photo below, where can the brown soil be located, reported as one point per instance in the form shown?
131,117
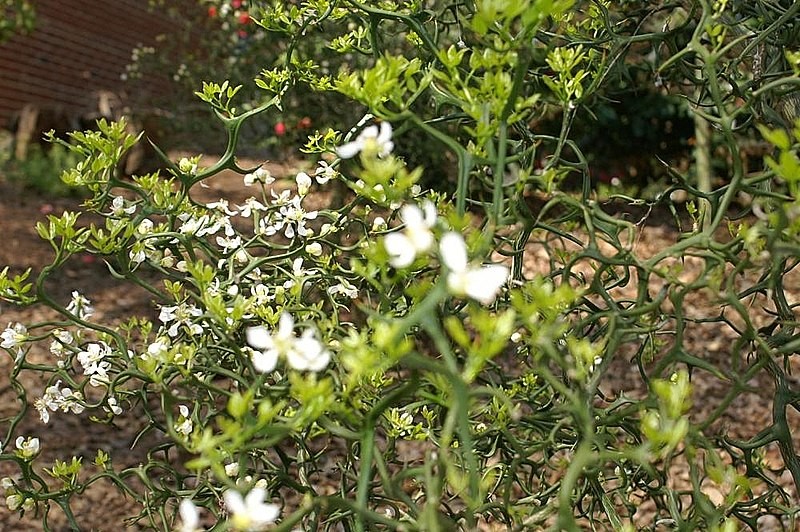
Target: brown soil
103,508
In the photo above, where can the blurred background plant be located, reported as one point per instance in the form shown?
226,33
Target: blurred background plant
40,171
16,16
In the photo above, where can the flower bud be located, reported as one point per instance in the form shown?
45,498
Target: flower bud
14,501
314,249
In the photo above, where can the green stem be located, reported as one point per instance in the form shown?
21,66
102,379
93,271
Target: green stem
499,173
368,446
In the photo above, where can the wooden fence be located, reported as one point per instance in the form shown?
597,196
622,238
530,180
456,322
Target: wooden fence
77,53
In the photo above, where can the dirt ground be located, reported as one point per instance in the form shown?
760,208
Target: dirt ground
102,507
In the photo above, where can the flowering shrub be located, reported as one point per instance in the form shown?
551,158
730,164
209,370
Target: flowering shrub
402,318
18,16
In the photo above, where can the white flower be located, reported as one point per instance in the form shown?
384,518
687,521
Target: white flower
190,517
250,205
250,513
55,399
57,350
62,338
145,226
314,249
92,354
80,306
229,243
13,335
303,183
27,448
299,273
378,224
222,205
281,199
291,218
14,501
232,469
113,406
264,361
308,353
416,237
275,344
260,293
344,288
119,209
192,225
325,173
41,407
179,315
65,337
261,175
294,217
481,283
371,140
138,253
158,349
186,166
184,424
92,358
303,353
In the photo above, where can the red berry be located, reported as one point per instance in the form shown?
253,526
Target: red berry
212,11
280,129
236,4
304,123
244,18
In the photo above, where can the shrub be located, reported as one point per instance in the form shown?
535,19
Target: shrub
41,170
405,317
19,16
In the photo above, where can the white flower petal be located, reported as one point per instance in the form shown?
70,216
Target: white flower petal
250,513
308,349
429,209
190,517
411,215
265,361
369,132
268,513
400,249
303,183
484,283
385,134
258,337
349,150
234,503
453,252
421,238
286,326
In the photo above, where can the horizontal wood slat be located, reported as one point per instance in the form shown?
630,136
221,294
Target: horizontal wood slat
78,48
